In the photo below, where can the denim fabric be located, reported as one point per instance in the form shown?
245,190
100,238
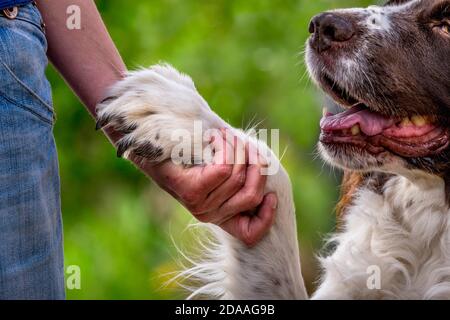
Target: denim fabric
31,254
12,3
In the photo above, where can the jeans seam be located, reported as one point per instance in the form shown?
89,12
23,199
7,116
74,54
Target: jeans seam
20,82
27,109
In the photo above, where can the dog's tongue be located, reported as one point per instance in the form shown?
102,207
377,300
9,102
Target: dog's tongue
370,123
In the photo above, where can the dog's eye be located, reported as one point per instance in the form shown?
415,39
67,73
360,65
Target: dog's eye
445,27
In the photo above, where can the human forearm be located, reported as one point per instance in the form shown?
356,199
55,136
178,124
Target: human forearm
87,58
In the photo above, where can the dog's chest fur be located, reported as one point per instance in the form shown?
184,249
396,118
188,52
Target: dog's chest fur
401,228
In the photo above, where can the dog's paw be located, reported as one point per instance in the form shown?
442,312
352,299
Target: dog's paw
148,106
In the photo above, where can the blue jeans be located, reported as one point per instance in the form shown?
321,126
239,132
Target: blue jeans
31,254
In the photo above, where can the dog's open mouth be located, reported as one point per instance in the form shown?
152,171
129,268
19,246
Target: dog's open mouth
359,126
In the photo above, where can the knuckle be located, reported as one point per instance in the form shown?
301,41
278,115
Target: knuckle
254,198
224,171
239,179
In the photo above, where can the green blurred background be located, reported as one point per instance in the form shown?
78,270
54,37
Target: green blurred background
246,59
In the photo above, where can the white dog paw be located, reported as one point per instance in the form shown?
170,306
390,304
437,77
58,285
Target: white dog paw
148,105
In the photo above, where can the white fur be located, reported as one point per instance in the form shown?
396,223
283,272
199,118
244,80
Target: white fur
378,19
403,232
410,244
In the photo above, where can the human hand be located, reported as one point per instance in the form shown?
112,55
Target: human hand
228,195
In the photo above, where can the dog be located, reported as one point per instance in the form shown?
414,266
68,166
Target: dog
388,69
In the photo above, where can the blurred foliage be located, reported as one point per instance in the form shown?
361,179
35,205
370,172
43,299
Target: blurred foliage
246,59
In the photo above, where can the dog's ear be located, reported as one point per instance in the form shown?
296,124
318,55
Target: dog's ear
350,184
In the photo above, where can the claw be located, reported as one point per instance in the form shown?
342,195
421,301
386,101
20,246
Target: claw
98,126
101,123
108,99
122,146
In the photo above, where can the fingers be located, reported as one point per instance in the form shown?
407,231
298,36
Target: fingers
192,186
236,196
221,192
251,229
247,198
211,176
234,183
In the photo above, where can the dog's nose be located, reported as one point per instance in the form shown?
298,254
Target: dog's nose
328,29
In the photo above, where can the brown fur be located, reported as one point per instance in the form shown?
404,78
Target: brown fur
350,184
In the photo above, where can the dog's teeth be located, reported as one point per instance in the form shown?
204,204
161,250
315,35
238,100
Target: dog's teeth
419,121
356,130
325,111
406,122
